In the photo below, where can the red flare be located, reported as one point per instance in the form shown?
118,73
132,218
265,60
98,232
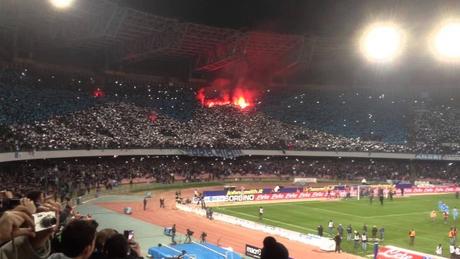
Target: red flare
98,93
241,102
219,95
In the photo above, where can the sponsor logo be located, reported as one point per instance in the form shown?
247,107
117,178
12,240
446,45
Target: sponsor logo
304,195
392,252
254,191
262,197
216,198
253,252
292,195
258,195
318,194
278,196
240,198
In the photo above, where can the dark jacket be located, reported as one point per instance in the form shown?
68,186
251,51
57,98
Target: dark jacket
277,252
23,249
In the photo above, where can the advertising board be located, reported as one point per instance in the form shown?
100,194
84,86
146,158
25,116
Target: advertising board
253,252
259,195
393,252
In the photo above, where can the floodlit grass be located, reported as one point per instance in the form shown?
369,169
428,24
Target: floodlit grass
397,217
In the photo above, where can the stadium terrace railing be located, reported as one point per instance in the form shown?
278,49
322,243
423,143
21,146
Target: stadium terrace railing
226,153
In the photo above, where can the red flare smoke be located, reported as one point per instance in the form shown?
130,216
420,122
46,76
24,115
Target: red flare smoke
219,95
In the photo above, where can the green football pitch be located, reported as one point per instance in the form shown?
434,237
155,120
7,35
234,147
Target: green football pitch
397,217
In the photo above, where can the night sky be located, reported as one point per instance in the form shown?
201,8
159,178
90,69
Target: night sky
338,19
309,17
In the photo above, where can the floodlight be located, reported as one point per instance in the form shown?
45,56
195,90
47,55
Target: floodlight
61,4
382,42
446,42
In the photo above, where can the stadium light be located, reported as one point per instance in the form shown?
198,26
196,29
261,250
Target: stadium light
382,42
61,4
446,41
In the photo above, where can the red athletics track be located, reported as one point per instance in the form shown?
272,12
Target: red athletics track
220,233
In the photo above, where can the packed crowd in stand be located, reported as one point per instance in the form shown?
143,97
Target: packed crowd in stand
57,111
122,125
65,177
438,126
369,115
46,111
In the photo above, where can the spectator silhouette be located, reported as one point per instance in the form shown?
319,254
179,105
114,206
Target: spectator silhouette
273,249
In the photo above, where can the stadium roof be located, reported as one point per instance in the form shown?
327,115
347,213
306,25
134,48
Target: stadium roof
133,35
211,35
327,18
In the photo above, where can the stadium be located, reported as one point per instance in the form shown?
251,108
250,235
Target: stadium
201,129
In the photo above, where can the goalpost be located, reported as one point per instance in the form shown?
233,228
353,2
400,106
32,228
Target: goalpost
359,192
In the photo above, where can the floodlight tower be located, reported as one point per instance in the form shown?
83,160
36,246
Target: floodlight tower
61,4
445,41
381,42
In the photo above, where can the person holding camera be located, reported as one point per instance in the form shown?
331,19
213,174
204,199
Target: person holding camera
12,219
13,224
18,236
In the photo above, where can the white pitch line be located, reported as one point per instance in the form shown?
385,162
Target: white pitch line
334,212
273,220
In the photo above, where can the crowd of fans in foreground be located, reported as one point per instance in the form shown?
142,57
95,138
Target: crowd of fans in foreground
65,235
49,111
